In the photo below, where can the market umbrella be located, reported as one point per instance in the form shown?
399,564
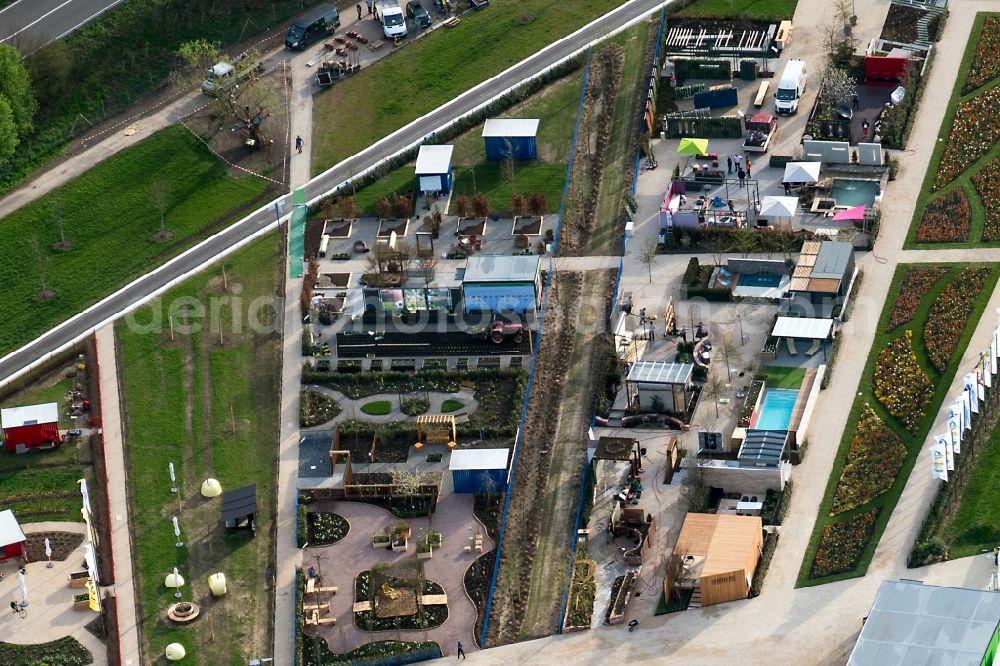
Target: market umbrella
856,213
24,590
801,172
693,147
779,206
48,552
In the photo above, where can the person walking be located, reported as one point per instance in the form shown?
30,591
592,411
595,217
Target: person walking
788,190
298,143
748,168
738,161
729,164
359,10
864,128
742,176
855,101
369,3
461,653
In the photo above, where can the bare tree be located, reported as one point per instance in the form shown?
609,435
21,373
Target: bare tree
159,194
347,207
713,390
740,312
428,266
647,255
63,244
41,256
730,352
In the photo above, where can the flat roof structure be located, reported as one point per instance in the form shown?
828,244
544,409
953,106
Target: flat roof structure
728,543
822,266
763,447
503,127
660,372
434,160
239,503
10,531
18,417
478,459
804,328
913,623
500,268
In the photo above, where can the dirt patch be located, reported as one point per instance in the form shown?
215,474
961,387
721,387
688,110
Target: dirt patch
62,544
901,23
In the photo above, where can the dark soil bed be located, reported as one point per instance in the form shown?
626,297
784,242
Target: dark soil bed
901,24
62,543
426,617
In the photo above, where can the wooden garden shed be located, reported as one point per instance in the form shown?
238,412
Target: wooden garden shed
719,554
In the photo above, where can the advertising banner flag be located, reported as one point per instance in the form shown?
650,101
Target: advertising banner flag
966,410
972,388
993,355
955,429
939,463
943,442
987,368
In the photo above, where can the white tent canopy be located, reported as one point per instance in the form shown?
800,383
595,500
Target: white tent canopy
779,206
801,172
802,328
10,531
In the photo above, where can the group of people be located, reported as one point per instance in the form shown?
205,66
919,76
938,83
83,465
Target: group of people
740,165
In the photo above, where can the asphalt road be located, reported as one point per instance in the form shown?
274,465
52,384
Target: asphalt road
218,245
30,24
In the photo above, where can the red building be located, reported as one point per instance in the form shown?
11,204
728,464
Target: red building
12,539
30,426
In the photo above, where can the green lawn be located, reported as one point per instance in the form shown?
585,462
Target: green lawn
974,527
110,221
783,378
620,155
451,405
377,407
432,70
964,181
42,485
764,10
865,394
54,389
394,182
181,401
529,178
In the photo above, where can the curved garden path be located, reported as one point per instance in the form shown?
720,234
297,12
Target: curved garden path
342,561
351,408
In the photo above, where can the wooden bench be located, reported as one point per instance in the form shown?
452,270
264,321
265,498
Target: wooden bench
331,590
434,600
315,607
313,619
784,36
361,606
758,101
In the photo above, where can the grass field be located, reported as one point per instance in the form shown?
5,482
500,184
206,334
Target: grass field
764,10
886,501
110,222
212,410
964,180
431,71
529,178
974,528
783,378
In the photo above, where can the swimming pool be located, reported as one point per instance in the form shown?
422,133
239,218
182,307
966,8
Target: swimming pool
849,192
775,411
759,280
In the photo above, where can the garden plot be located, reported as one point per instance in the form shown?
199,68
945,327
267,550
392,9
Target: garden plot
929,315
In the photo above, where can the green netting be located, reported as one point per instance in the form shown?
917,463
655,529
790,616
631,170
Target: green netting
297,233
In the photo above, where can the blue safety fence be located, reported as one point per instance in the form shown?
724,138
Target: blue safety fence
658,48
572,151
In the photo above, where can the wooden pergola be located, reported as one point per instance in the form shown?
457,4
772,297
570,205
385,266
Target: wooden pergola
436,429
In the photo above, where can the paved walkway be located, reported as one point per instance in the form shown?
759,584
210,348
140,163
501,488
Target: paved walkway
351,409
51,615
114,459
344,559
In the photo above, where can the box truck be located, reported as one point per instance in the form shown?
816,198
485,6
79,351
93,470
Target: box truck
791,87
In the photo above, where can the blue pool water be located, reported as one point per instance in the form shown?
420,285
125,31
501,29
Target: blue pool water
759,280
852,193
776,409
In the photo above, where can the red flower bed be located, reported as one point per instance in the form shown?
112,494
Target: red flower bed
842,543
985,64
987,182
946,219
873,461
974,131
916,282
950,313
900,384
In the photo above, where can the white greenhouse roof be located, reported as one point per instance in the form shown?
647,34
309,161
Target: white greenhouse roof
15,417
501,268
462,459
660,372
434,160
512,127
10,531
802,327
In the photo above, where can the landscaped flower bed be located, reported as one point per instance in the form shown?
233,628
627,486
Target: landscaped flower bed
414,406
949,314
916,282
900,384
316,652
62,652
985,65
945,219
316,409
750,402
842,543
975,129
582,589
327,528
873,461
988,188
427,617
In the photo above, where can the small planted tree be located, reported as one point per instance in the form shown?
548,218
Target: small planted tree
517,204
462,205
481,205
383,208
400,206
838,86
41,256
159,195
326,209
647,255
538,204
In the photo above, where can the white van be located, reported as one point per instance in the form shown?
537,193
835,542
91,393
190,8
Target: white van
393,20
791,87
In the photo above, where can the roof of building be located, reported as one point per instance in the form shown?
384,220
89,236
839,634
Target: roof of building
912,623
500,268
726,542
822,266
660,372
478,459
513,127
765,446
832,259
10,531
239,503
15,417
802,327
434,160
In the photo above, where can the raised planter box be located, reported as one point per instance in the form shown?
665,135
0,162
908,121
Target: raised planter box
425,555
380,544
619,601
399,546
78,579
81,602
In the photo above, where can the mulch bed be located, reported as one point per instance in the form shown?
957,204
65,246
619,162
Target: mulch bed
470,225
901,24
531,227
385,230
337,228
63,544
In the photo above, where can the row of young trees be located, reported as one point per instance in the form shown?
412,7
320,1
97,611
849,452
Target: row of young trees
537,205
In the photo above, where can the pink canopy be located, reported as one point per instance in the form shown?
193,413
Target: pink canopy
856,213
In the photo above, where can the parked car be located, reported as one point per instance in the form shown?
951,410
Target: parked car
74,434
319,23
393,22
416,13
